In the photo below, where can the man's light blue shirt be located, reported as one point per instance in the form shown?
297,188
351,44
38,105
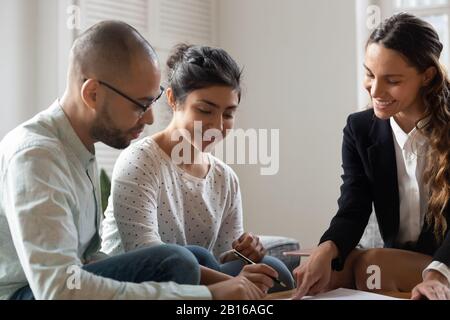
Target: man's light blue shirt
50,213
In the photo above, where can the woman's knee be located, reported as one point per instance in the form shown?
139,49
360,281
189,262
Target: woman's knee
204,257
368,257
181,263
367,269
232,268
283,273
389,269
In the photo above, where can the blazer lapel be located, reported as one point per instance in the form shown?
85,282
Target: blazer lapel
382,160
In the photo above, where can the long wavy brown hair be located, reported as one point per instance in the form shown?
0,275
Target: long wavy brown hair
419,43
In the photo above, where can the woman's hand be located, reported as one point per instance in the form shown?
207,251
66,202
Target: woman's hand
260,275
237,288
435,286
210,276
249,245
315,275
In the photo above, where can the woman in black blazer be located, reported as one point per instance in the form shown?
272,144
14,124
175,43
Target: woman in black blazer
396,158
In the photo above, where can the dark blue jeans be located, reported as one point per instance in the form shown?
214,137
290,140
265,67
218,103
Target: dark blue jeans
233,268
161,263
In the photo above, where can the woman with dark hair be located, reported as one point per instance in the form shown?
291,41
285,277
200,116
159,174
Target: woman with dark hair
396,157
168,189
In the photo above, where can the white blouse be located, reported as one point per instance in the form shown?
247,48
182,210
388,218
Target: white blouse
410,151
410,154
154,201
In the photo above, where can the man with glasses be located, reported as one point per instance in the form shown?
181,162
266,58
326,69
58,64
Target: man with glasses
50,202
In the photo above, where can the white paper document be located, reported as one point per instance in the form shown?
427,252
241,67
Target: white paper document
348,294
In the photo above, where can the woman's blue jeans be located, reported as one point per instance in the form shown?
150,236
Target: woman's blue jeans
233,268
161,263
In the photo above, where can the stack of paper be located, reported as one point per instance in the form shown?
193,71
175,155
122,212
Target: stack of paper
348,294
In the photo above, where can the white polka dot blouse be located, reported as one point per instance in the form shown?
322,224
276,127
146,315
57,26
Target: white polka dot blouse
154,201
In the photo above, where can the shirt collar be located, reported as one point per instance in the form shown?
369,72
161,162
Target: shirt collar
402,138
68,135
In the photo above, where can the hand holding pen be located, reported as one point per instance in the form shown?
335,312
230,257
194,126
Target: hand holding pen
271,273
250,246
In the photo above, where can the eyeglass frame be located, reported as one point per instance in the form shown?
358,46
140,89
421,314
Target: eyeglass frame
144,107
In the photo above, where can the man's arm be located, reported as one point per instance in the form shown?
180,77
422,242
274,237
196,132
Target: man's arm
46,240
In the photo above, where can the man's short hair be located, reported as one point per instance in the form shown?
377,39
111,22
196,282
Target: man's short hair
107,49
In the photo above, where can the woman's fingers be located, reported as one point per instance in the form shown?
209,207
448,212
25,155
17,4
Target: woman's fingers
447,294
245,241
261,275
298,275
250,246
260,269
247,252
416,295
303,287
261,280
431,290
316,288
420,292
261,286
440,293
254,252
254,291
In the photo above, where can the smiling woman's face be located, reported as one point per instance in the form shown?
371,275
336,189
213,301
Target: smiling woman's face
393,85
214,107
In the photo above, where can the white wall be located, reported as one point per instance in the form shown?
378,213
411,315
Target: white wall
46,79
299,61
28,59
300,77
17,60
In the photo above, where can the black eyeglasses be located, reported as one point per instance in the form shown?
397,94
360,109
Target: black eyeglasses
144,107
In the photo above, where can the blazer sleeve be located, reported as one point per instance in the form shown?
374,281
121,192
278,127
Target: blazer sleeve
355,202
443,253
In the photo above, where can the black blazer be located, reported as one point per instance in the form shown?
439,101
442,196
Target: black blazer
370,177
